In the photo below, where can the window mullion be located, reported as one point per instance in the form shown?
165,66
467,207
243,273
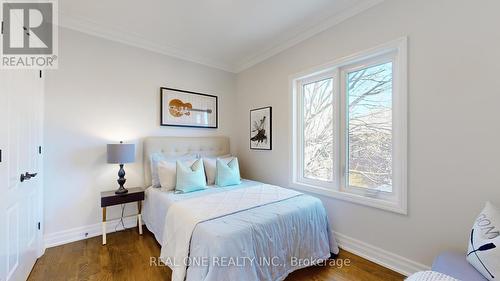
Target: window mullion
337,177
342,130
300,125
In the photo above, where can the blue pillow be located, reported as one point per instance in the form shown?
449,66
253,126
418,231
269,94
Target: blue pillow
189,179
227,174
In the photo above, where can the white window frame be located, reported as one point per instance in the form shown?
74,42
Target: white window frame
396,201
300,129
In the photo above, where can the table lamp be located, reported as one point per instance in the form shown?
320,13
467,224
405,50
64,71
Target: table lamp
120,153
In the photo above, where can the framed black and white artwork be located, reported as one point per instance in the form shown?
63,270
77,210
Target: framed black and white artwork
188,109
261,128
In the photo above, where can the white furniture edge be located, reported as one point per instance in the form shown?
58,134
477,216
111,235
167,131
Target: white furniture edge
104,224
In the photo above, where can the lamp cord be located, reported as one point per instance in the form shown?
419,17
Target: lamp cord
121,219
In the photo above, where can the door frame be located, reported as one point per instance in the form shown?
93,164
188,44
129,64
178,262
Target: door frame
41,179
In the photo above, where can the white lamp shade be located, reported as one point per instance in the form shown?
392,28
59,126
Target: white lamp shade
121,153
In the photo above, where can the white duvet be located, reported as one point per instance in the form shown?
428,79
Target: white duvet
257,222
183,216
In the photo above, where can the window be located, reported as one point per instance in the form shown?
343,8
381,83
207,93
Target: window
318,130
349,125
369,127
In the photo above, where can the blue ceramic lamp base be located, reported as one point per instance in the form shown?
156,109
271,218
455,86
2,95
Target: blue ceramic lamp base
121,181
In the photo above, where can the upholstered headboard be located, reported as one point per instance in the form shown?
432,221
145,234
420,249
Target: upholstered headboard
178,146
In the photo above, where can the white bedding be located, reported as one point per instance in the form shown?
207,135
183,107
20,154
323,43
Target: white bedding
294,227
430,276
157,201
183,216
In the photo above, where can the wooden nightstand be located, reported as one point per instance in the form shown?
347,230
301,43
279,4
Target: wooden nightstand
109,198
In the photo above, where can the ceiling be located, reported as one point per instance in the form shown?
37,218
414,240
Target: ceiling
226,34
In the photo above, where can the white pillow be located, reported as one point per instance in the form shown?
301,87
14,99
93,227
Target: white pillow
210,166
167,172
484,243
157,157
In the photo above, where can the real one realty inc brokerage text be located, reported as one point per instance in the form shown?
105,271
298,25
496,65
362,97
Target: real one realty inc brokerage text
247,261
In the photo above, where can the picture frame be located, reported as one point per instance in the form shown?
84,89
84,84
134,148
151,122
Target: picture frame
181,108
261,131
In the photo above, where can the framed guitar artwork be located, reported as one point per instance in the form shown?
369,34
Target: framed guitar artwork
188,109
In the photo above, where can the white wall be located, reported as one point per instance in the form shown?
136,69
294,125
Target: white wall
104,92
454,131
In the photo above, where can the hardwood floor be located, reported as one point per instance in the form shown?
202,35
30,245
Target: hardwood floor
127,257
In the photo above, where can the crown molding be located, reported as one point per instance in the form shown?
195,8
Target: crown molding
132,39
304,34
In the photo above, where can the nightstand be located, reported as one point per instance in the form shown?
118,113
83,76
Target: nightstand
109,198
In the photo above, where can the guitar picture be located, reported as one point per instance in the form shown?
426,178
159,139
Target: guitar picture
188,109
177,108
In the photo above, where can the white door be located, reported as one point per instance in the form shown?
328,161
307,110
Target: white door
21,96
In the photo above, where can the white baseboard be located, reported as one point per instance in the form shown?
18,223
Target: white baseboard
379,256
375,254
84,232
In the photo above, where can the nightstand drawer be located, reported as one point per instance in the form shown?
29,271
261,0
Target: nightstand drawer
109,198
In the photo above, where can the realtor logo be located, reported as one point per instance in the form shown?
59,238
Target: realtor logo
29,35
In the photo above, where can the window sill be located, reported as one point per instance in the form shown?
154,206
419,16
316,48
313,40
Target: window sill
395,207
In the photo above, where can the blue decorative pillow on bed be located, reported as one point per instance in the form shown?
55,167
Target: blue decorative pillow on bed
190,178
228,173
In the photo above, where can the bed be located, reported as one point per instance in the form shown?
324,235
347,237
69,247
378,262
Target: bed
252,231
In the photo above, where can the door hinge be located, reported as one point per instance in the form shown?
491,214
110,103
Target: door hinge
0,156
2,27
39,149
38,225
